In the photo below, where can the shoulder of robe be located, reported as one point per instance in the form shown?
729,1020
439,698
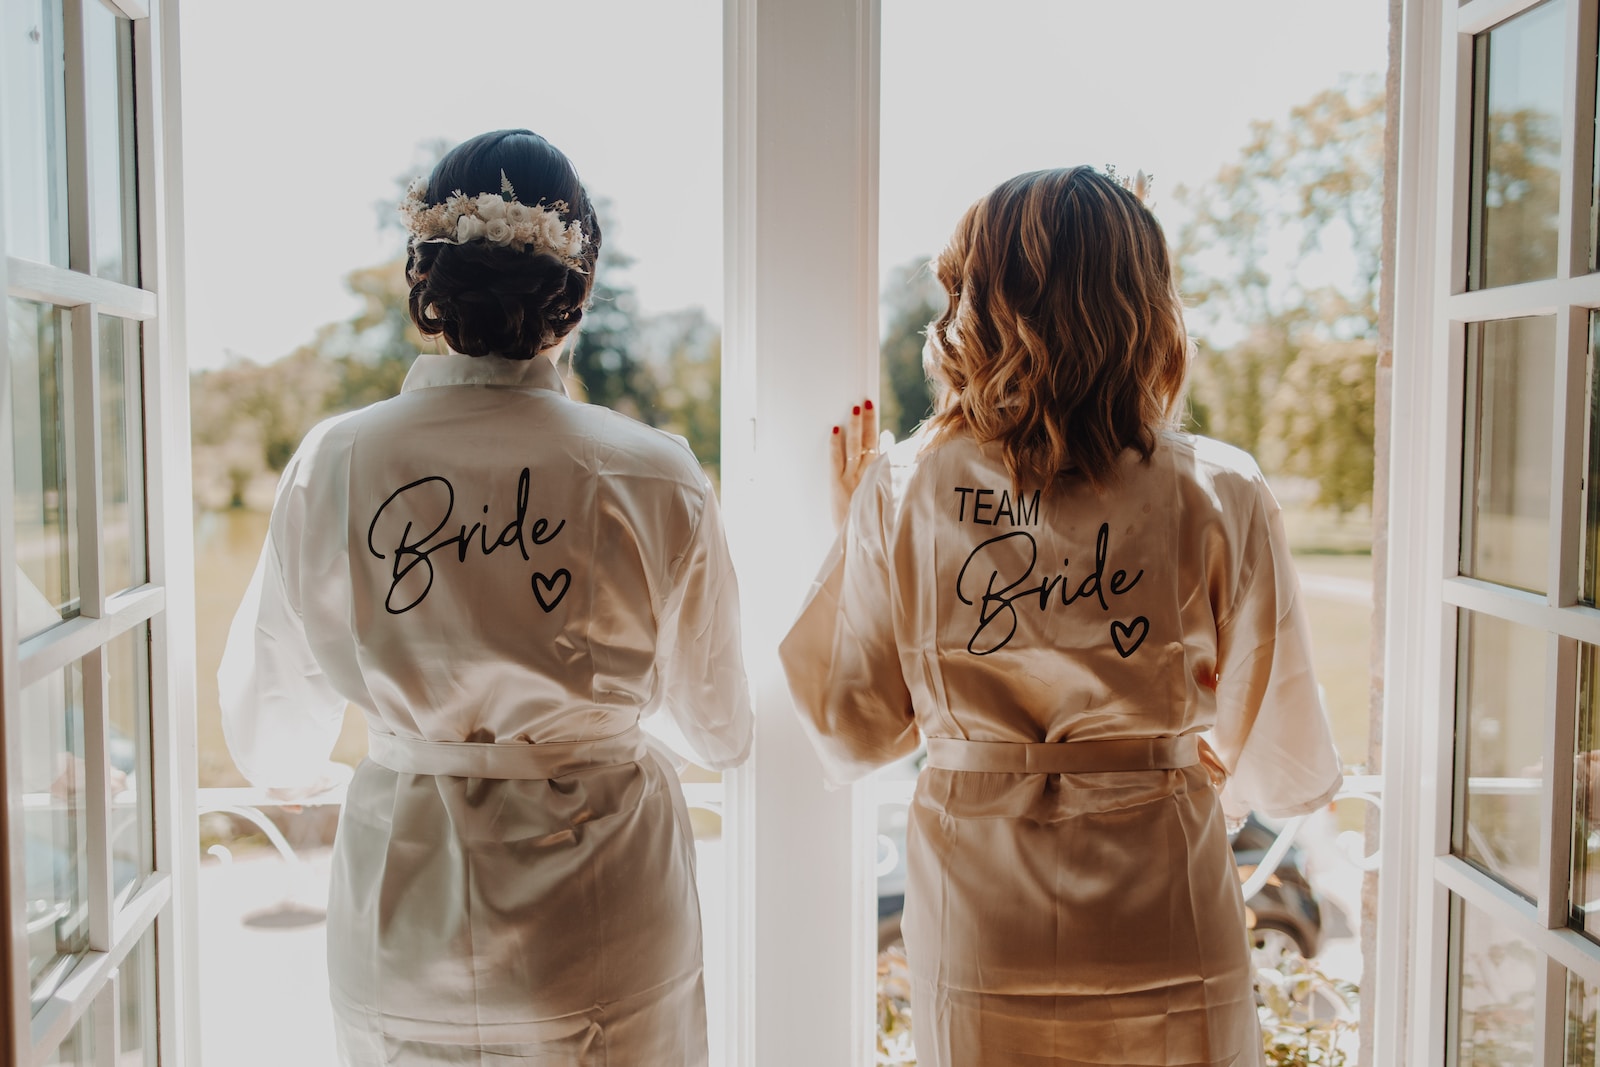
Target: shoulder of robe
1232,473
319,444
628,446
893,472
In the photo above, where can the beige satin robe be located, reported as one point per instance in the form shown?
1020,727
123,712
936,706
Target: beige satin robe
1076,918
506,582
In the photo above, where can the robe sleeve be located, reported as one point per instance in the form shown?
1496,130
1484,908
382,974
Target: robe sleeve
280,714
706,693
841,657
1272,733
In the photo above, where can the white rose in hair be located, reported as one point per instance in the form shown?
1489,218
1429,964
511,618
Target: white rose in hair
574,241
497,231
517,214
490,207
552,235
468,229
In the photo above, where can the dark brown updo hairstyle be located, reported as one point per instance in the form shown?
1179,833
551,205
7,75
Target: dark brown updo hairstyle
490,299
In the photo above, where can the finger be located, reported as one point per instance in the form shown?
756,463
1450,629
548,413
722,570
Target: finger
885,440
836,451
869,426
852,444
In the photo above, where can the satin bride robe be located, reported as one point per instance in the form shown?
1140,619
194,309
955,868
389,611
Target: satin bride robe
507,582
1069,904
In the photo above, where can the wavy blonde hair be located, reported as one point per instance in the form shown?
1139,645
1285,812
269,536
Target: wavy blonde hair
1063,339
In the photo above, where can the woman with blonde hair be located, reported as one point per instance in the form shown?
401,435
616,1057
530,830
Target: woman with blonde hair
1059,592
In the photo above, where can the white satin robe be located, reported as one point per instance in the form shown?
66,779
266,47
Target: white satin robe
1074,918
485,563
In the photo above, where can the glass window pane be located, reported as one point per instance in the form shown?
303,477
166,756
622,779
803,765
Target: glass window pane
1585,900
78,1049
46,503
1499,738
111,179
136,1006
1583,1000
1505,494
1594,197
1516,148
1491,991
1591,483
122,454
127,659
55,824
33,130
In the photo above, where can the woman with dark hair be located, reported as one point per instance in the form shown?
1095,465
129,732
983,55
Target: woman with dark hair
506,582
1059,592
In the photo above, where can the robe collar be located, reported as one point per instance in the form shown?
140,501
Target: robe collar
431,369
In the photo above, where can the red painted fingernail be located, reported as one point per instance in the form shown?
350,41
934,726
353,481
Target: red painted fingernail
856,410
836,429
869,405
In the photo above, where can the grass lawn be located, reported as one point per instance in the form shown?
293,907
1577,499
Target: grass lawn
1342,648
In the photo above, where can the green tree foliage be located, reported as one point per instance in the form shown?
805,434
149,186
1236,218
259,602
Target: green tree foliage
911,299
607,367
246,420
686,352
1278,258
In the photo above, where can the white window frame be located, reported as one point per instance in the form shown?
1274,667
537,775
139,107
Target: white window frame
800,345
1426,591
164,901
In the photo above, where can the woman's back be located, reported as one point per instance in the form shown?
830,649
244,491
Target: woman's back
505,559
1151,608
1074,613
506,582
1071,897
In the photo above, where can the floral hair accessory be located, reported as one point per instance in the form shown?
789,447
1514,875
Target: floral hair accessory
1139,185
497,218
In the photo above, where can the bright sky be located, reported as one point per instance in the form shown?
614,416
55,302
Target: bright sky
301,121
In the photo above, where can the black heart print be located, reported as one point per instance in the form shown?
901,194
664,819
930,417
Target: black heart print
549,589
1129,636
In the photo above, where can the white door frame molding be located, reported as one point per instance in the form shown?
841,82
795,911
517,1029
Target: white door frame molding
800,346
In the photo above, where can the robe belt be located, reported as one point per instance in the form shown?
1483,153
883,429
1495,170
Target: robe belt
1064,757
511,760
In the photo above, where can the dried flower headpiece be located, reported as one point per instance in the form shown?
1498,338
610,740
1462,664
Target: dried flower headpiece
496,218
1139,185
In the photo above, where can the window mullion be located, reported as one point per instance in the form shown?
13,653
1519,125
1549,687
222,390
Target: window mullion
1567,459
1549,1013
84,355
107,1031
14,1006
1555,845
169,526
97,794
68,288
1577,199
1567,244
80,197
